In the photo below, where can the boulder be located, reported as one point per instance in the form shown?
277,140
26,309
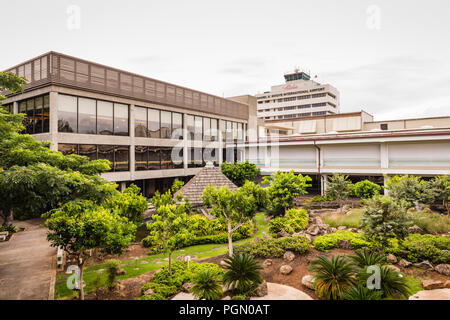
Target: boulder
447,284
285,269
283,234
313,230
303,234
289,256
415,229
333,230
436,294
324,228
317,220
186,287
424,265
184,257
344,244
262,290
353,230
144,262
404,263
443,269
391,258
345,208
267,262
121,272
432,284
149,291
342,228
394,268
308,281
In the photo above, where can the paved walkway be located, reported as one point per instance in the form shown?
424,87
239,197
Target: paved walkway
26,264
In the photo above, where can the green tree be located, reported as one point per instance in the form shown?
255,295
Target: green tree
240,172
130,204
169,228
283,188
112,267
339,187
441,185
237,207
366,189
410,189
384,218
80,226
207,285
177,185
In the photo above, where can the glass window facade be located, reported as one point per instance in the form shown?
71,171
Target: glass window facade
36,112
166,124
177,125
89,116
118,155
152,158
140,122
158,123
153,123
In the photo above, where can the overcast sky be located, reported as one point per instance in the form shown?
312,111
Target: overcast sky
389,58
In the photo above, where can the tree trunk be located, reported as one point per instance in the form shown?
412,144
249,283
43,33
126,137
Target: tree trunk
81,281
230,239
340,206
9,219
170,262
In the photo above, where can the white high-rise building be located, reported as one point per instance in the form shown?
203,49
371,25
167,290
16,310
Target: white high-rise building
298,97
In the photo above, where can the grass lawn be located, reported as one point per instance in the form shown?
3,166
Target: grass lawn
350,220
143,265
430,222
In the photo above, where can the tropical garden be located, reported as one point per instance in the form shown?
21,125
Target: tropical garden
359,241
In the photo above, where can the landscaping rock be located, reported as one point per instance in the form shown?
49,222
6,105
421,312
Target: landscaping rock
303,234
262,290
333,230
404,263
285,269
424,265
324,228
415,229
344,244
144,262
100,271
317,220
443,269
223,263
308,281
342,228
149,291
391,258
432,284
121,272
289,256
447,284
353,230
183,257
313,230
394,268
186,287
345,208
436,294
267,262
283,234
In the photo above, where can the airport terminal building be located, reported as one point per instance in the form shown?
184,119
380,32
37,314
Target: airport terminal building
151,131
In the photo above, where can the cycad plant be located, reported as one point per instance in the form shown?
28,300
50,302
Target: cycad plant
361,292
333,276
366,257
242,274
207,285
392,283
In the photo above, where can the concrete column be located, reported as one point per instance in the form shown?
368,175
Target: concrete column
185,142
53,97
221,142
384,155
385,179
15,107
323,184
132,143
122,186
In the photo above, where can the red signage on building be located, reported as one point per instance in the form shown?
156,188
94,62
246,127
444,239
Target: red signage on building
290,87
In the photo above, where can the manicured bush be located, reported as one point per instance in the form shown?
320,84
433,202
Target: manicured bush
330,241
154,296
159,288
239,297
275,247
239,172
294,220
427,247
366,189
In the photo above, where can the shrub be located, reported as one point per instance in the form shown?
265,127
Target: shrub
294,220
154,296
239,297
366,189
283,188
361,292
238,173
330,241
275,247
384,218
242,274
112,267
159,288
366,257
339,187
391,282
333,276
410,189
207,285
427,247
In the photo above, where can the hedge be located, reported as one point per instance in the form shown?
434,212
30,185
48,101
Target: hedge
275,247
295,220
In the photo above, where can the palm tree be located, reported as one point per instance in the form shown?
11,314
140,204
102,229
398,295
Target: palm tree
361,292
207,285
392,283
333,276
366,257
243,273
